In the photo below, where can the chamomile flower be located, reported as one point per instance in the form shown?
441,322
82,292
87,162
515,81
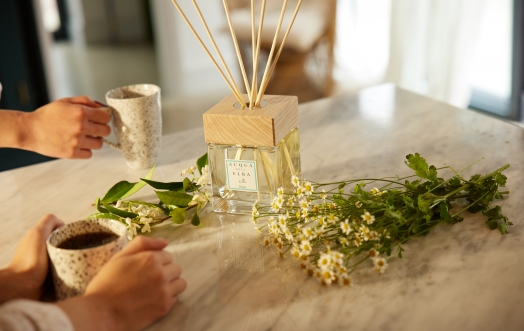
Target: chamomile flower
282,221
345,280
375,191
358,204
346,229
288,235
305,248
343,241
380,264
332,219
280,191
307,233
368,217
328,276
373,253
290,202
337,258
295,181
324,262
295,251
323,195
299,192
357,241
308,188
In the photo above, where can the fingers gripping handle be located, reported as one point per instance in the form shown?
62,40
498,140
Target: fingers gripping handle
112,144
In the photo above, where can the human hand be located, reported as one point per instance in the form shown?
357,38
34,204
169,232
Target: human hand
137,286
67,128
25,275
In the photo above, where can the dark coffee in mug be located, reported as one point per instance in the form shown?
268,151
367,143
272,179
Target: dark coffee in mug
88,240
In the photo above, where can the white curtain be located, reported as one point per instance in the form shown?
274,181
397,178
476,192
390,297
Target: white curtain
428,45
432,46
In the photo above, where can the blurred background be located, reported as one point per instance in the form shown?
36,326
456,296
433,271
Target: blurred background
468,53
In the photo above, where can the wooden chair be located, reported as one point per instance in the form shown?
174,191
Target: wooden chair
306,64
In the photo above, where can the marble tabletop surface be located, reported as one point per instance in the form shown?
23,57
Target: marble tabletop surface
459,277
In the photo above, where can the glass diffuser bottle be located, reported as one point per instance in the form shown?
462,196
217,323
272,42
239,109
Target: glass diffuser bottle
252,152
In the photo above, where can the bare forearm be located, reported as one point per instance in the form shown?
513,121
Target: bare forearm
12,124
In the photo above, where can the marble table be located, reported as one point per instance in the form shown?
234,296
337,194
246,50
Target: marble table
459,277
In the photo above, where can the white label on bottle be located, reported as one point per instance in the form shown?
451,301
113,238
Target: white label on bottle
241,175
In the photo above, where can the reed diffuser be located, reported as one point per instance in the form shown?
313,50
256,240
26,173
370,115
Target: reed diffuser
253,139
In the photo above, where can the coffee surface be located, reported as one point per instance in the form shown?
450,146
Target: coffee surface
88,240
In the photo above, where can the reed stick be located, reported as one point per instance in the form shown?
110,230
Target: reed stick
259,37
237,49
237,94
263,85
273,45
254,84
197,8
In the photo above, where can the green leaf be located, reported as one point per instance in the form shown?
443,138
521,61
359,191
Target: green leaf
124,189
500,179
202,162
100,208
424,205
178,215
419,164
503,227
492,224
495,213
104,215
188,185
196,220
444,212
178,199
119,212
172,186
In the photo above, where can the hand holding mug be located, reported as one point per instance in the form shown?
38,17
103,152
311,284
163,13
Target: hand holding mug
67,128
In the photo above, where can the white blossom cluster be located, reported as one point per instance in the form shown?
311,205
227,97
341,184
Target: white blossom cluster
297,225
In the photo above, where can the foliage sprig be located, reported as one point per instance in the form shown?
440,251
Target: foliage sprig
176,200
331,228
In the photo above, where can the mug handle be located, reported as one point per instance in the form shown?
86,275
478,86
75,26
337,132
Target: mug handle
112,144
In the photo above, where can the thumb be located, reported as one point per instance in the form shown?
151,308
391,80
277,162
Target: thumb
141,243
47,224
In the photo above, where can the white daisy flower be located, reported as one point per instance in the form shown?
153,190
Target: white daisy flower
368,217
308,233
328,276
324,262
343,241
346,229
380,264
308,188
375,191
305,248
280,191
323,195
295,181
358,204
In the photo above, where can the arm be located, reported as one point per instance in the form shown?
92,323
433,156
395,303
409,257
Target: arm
136,287
24,276
66,128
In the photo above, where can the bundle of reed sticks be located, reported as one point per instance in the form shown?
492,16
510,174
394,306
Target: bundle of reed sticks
255,90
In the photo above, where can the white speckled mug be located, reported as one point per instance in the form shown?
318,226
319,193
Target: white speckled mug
74,267
137,121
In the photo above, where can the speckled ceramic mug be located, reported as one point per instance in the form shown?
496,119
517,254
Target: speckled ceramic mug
74,268
137,121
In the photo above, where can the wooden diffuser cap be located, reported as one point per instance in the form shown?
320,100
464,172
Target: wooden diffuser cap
266,126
